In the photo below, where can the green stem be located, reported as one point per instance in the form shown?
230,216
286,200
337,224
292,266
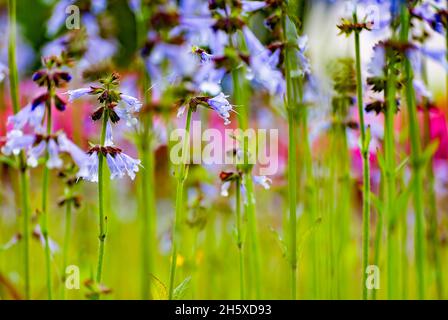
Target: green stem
13,74
45,183
417,181
148,211
23,172
102,219
181,177
292,187
390,193
366,165
240,99
240,237
68,227
292,170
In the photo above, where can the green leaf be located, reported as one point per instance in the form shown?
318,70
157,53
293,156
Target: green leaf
381,160
429,152
158,289
306,235
181,290
401,165
8,161
280,242
377,203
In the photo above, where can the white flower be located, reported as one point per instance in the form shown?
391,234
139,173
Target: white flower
225,188
263,181
121,164
35,152
77,93
16,141
222,106
89,170
126,109
134,105
54,161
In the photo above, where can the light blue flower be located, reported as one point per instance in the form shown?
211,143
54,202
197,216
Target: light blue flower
222,106
28,116
78,93
16,141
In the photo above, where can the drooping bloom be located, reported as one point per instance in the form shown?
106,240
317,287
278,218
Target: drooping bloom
28,116
222,106
263,65
119,163
36,145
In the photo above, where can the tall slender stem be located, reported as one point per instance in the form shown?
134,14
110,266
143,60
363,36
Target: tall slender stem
23,172
249,207
366,165
181,177
390,196
417,181
292,170
101,217
44,213
147,193
240,238
67,236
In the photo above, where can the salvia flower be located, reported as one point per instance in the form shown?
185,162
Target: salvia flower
28,116
263,64
78,93
250,6
119,163
36,145
222,106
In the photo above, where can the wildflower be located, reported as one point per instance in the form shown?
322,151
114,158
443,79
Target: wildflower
78,93
263,64
119,163
222,106
208,78
203,55
35,145
250,6
17,141
303,65
263,181
28,116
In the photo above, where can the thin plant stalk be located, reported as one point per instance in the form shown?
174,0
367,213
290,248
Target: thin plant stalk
431,200
292,170
23,170
239,99
45,184
102,219
181,177
416,161
147,192
67,236
390,190
240,238
366,165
